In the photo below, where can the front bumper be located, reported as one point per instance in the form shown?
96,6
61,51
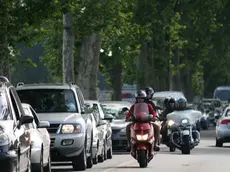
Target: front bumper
60,152
8,161
119,140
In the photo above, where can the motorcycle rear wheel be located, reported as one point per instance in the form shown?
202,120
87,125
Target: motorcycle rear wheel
142,158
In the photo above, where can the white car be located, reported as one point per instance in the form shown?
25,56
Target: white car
40,141
223,128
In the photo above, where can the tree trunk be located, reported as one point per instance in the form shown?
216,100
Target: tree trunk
89,65
4,52
142,69
116,75
67,48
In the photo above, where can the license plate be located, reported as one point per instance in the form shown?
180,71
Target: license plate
185,132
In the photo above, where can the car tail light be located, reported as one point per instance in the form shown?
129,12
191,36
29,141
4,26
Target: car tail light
225,121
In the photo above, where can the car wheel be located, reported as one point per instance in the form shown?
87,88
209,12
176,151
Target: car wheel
80,162
90,158
47,168
41,163
105,150
101,157
29,163
219,143
110,153
95,159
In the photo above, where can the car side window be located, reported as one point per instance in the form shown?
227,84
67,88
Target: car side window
35,116
96,112
15,105
227,114
80,97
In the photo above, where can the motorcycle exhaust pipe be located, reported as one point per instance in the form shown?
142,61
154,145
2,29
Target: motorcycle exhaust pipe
172,140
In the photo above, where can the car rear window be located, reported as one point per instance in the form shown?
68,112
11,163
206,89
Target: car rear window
49,100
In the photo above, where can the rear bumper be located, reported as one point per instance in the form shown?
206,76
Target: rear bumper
223,133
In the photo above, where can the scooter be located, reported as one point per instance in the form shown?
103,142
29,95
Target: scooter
142,135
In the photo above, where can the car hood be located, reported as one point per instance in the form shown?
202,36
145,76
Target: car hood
60,117
6,126
118,124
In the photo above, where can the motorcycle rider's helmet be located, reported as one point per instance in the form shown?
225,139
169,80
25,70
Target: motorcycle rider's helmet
149,91
141,95
172,103
181,103
166,102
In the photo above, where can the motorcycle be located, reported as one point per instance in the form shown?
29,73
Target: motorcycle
180,130
142,135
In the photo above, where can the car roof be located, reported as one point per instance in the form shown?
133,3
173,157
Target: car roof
163,94
22,86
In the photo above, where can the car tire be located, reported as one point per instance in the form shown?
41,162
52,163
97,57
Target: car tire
95,159
110,153
105,150
219,143
101,157
80,162
29,163
47,168
41,165
90,158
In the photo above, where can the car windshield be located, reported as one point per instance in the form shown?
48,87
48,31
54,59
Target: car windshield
115,110
222,94
49,100
4,110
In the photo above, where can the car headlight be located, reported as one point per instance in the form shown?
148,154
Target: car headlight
142,137
70,128
184,121
123,130
171,122
4,139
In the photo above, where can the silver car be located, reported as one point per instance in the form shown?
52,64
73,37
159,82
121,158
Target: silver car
223,128
104,130
119,139
70,130
40,141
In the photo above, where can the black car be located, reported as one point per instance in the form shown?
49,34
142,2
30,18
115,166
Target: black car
14,138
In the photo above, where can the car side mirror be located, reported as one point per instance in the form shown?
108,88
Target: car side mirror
101,122
124,109
217,117
43,124
108,117
26,119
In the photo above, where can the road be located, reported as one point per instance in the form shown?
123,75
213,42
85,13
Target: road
205,157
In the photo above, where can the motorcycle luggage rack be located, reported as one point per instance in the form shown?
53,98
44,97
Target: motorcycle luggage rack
4,79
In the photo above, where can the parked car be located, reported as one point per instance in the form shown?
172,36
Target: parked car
223,128
71,130
119,139
104,127
13,156
40,141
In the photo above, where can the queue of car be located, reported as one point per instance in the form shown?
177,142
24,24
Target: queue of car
45,123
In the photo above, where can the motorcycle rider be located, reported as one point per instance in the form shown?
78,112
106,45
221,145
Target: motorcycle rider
141,98
181,105
149,91
169,103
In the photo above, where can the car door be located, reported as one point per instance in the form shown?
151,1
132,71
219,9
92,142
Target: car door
43,133
21,133
101,128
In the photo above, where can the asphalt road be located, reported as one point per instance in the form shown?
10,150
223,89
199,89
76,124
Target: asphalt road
205,157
